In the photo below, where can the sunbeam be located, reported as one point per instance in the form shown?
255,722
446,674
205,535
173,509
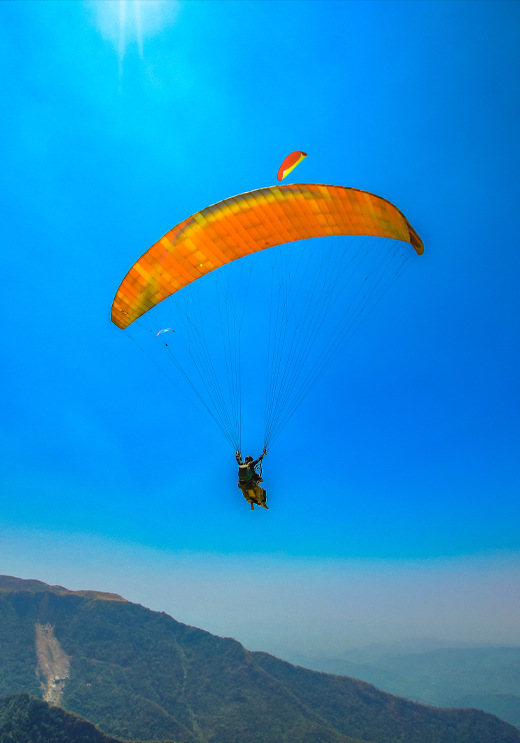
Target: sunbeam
127,23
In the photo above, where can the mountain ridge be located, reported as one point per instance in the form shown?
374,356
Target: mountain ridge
136,673
9,584
486,677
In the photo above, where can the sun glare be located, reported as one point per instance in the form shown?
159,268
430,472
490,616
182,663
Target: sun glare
127,23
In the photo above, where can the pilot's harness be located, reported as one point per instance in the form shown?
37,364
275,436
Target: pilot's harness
251,479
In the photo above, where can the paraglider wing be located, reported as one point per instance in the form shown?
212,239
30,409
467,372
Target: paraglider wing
164,330
290,162
245,224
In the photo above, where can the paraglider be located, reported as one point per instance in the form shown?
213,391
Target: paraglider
316,278
289,164
165,330
249,480
222,233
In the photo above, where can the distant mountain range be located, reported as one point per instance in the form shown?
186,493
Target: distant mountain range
135,673
487,678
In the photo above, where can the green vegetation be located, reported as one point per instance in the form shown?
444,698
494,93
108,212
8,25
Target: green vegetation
8,584
140,674
364,710
17,654
25,719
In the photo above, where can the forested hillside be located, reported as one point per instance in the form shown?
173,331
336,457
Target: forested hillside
141,674
25,719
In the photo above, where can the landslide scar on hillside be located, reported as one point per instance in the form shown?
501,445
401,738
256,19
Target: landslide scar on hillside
53,663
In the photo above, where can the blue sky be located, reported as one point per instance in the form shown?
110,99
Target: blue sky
121,120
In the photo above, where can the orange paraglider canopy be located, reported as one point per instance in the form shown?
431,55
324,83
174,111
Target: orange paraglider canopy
290,162
245,224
